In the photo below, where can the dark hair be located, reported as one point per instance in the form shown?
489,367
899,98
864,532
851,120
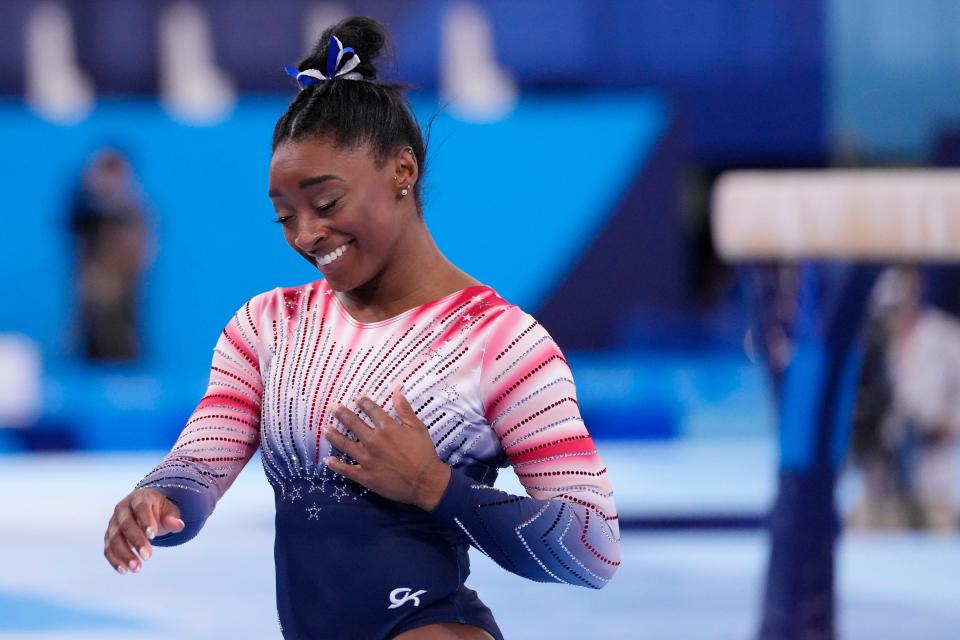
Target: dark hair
354,112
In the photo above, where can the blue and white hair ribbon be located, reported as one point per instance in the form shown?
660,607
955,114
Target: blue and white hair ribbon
336,66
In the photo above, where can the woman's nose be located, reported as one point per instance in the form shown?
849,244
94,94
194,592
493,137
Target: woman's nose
307,237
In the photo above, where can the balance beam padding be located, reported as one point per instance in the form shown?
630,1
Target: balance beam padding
843,214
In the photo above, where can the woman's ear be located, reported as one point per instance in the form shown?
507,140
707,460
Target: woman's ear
406,170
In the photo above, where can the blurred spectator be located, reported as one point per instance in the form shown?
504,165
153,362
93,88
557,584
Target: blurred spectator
112,245
876,441
907,429
924,364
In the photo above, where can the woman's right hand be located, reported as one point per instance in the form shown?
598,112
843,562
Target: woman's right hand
137,519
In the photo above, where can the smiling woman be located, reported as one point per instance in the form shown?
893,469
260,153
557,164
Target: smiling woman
384,397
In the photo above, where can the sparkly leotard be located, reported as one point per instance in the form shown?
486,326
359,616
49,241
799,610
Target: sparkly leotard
493,388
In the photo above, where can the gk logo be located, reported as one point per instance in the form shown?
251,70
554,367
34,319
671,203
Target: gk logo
402,595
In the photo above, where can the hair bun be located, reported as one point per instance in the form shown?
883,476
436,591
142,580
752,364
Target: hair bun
365,35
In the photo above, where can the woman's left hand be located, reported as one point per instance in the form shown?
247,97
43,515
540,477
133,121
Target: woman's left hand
395,459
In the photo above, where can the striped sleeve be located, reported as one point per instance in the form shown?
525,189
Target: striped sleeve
566,528
221,434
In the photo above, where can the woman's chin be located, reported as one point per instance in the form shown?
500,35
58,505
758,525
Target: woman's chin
338,282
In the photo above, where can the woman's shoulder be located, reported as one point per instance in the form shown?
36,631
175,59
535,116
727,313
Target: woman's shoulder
272,304
499,309
507,325
282,296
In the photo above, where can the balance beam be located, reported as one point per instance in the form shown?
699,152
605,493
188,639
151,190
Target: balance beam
838,214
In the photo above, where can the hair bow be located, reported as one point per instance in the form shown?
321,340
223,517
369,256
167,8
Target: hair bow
336,66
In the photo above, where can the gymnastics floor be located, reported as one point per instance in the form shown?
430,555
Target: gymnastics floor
694,583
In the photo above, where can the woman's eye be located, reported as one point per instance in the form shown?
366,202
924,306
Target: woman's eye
283,219
325,206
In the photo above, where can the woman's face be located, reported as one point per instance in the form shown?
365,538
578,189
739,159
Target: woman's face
337,208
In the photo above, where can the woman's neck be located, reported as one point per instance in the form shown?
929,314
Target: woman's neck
421,274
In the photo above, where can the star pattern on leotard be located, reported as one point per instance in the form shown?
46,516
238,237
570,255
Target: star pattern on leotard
313,512
295,493
322,488
339,492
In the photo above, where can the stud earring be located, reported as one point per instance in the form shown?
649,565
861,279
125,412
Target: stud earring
404,191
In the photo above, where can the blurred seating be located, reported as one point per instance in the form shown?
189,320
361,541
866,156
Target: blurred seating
749,76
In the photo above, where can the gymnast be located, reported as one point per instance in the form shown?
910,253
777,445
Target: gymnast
383,397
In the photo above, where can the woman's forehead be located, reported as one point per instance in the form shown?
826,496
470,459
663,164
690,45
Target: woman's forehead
321,154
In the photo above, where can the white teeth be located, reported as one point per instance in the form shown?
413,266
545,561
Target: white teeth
333,255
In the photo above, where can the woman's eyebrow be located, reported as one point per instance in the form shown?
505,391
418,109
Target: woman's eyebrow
306,182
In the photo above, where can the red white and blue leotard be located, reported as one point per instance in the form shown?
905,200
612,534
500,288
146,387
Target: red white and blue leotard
493,388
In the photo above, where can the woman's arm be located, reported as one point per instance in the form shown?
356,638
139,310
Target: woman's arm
222,432
567,529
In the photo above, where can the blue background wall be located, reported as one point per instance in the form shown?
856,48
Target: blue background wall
513,203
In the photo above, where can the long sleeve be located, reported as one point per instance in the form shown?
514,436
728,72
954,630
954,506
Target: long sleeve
566,529
221,434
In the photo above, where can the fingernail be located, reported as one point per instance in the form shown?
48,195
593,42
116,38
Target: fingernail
150,533
133,565
121,569
145,552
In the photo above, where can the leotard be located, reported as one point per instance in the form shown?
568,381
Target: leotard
494,390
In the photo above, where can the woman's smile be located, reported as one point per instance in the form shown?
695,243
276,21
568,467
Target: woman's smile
333,257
